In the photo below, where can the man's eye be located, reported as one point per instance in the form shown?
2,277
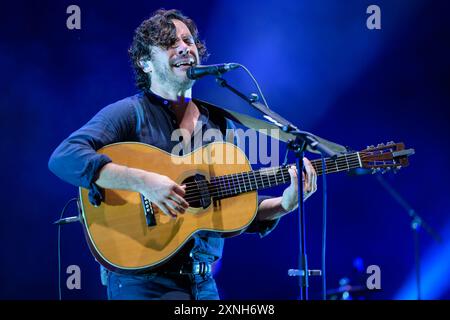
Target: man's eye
189,41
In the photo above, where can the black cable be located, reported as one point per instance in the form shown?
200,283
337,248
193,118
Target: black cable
59,245
324,230
256,84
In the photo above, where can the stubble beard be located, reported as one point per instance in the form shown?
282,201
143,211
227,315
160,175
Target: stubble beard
173,82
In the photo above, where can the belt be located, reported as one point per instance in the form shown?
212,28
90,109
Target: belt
189,268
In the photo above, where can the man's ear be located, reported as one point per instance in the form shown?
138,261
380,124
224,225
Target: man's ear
146,66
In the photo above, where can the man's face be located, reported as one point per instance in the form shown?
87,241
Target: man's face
169,66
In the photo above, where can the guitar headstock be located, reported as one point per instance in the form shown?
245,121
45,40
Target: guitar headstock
385,157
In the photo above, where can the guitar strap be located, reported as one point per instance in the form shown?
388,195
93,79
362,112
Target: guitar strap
265,127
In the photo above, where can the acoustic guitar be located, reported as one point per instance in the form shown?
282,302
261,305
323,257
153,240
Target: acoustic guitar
128,233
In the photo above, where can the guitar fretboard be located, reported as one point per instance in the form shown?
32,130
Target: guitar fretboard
234,184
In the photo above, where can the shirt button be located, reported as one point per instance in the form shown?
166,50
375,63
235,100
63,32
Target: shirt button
165,102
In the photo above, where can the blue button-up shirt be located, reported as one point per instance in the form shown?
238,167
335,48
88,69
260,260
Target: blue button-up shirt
146,118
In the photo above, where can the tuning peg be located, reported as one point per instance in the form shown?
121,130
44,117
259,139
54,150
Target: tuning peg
390,142
370,147
380,145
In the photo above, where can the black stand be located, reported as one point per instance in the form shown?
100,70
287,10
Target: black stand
298,148
302,141
416,224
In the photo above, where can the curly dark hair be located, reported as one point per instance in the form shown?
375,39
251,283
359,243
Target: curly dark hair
159,30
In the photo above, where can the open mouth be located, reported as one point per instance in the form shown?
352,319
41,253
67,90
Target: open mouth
185,63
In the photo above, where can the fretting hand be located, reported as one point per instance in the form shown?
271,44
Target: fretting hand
289,200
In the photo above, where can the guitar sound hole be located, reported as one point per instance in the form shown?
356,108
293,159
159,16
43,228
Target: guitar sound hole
197,191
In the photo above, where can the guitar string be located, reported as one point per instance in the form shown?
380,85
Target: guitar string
243,175
270,180
233,182
343,160
220,192
231,188
264,179
318,168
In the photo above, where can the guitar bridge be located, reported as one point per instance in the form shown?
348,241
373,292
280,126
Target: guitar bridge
148,211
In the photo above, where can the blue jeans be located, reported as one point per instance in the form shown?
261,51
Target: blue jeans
161,286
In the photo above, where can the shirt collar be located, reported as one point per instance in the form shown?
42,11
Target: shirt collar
155,99
158,100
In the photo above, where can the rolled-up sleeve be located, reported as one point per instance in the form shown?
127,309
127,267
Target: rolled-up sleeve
264,227
76,160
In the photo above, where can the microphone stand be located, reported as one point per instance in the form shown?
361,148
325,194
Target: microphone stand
302,140
416,224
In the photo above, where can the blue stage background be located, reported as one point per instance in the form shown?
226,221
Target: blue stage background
318,65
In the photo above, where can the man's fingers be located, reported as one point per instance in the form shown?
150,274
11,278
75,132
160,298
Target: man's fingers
175,207
306,181
181,190
310,173
179,200
309,177
293,172
314,181
165,210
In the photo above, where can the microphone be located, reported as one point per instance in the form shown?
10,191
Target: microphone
215,69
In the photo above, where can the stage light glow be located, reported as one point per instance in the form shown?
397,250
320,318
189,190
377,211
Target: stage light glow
435,268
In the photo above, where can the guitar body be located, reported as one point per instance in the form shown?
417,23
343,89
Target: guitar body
118,231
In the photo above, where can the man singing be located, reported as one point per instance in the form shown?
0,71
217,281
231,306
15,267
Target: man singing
163,48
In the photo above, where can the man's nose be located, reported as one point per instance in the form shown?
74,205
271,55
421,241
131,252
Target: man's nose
183,49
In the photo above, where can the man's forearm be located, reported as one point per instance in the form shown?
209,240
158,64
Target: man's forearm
114,176
271,209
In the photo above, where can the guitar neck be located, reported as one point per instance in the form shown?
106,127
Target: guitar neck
235,184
